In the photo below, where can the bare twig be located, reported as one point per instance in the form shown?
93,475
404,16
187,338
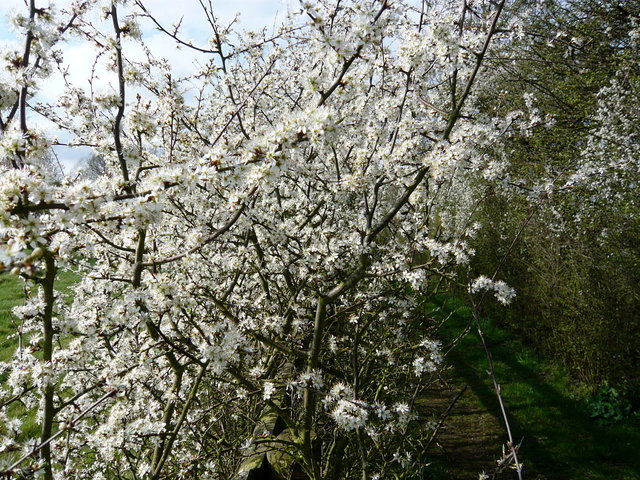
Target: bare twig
494,380
121,104
443,418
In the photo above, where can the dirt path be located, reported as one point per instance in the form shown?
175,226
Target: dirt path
560,440
470,440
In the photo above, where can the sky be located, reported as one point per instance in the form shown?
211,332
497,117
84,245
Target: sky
253,15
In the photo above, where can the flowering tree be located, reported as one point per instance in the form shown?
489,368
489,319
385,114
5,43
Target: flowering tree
251,260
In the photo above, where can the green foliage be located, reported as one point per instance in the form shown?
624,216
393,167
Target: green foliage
609,406
577,298
574,263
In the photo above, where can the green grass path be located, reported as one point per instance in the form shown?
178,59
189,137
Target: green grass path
560,441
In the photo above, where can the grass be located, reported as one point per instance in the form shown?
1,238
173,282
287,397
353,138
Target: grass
11,295
547,411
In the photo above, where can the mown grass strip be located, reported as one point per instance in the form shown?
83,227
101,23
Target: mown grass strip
561,441
11,295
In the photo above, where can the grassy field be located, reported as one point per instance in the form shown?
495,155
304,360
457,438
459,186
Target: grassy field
12,294
547,411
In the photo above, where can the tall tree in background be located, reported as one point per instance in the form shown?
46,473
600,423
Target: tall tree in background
94,167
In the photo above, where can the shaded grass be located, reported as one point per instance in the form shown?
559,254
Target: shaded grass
560,440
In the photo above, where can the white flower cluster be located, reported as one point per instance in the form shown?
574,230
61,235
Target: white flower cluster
503,292
268,390
429,359
273,209
350,415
